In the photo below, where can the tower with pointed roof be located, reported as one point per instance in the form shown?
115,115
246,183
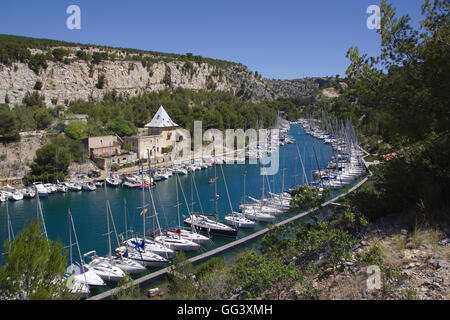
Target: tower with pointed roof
158,137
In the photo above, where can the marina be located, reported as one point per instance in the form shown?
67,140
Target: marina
250,198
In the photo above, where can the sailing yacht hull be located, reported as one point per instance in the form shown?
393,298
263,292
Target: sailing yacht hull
211,229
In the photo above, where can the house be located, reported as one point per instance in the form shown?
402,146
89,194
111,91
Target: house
102,147
158,138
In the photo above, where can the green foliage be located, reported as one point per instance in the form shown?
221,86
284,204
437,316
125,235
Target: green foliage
50,163
35,267
306,197
216,109
167,77
181,284
121,127
33,99
9,124
43,118
38,85
97,57
132,292
256,273
372,257
209,266
77,131
59,54
101,80
418,178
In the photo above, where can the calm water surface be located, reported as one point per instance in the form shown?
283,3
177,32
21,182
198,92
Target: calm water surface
89,211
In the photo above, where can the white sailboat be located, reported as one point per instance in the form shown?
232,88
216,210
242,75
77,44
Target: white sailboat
191,234
236,219
204,224
103,266
144,244
82,276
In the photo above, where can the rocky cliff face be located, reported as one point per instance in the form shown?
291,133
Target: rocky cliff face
80,80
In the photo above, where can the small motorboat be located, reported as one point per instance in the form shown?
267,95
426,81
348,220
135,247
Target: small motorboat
15,195
112,181
29,193
50,188
89,186
61,188
41,190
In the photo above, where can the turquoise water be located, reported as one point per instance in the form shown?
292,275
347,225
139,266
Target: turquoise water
89,211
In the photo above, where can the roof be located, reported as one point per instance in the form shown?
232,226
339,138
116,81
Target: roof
161,120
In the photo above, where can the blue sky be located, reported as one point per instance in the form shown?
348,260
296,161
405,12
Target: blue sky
282,39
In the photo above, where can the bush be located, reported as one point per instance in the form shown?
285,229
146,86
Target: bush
38,85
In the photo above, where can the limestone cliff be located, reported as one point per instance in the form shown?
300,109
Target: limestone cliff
82,79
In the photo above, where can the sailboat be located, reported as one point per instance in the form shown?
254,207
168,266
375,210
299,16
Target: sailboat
204,224
236,219
83,277
171,240
145,244
121,260
103,266
258,212
191,234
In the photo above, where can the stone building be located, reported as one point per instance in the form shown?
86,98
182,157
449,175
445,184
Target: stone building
158,138
104,146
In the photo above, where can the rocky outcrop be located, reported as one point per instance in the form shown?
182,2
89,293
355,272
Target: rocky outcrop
80,79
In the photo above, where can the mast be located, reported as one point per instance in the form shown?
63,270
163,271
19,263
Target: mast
295,165
282,179
107,223
143,202
39,212
125,216
70,240
8,223
192,190
215,186
151,198
245,173
177,205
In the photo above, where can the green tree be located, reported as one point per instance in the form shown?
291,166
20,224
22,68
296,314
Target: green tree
43,118
38,85
121,127
9,125
181,284
51,162
76,131
257,274
306,197
35,267
127,290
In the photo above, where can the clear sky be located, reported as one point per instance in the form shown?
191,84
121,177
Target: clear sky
283,39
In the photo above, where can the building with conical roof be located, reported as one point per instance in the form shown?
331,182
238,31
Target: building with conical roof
158,137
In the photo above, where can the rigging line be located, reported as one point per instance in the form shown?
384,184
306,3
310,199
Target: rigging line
184,196
196,191
303,167
162,207
114,225
226,188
